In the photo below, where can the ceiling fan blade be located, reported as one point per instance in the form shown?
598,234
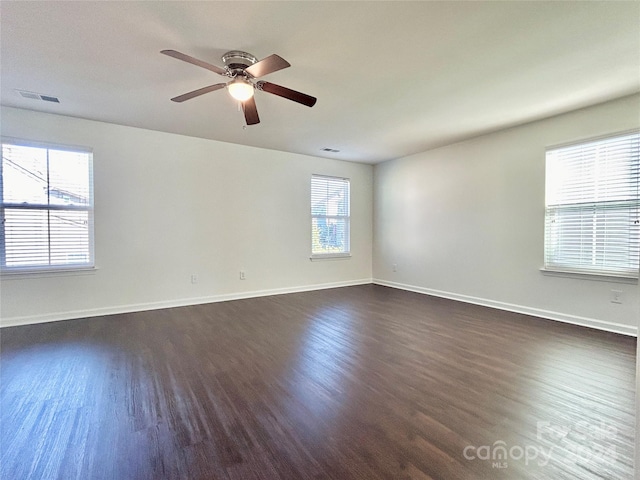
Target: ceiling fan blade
194,61
287,93
271,64
197,93
250,111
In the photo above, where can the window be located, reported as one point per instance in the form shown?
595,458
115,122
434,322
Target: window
329,216
592,213
47,207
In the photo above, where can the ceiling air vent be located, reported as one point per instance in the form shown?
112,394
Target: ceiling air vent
48,98
37,96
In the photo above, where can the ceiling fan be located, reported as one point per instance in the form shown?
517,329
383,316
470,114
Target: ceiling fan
243,69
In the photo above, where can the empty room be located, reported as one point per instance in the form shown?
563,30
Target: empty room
308,240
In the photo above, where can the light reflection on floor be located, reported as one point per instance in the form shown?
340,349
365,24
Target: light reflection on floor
325,362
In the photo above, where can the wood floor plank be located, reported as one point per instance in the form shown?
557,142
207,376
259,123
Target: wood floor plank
355,383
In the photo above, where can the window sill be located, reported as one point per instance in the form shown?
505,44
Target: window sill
330,256
20,274
589,276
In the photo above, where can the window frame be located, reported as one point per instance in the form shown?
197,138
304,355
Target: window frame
45,270
598,206
346,217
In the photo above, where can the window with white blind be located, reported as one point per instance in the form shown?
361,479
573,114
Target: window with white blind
592,222
329,216
47,207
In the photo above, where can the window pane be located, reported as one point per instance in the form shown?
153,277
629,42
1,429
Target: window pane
26,237
593,239
604,170
24,174
69,178
329,235
69,237
329,196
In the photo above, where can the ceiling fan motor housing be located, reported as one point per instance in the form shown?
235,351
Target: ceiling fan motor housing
238,60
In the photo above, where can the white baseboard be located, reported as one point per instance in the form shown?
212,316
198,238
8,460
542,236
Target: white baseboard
536,312
139,307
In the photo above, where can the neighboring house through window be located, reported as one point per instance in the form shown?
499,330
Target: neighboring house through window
47,207
592,211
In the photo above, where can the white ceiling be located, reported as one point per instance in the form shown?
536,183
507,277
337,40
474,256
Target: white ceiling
391,78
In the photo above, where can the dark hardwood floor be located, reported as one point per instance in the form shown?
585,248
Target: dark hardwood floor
361,382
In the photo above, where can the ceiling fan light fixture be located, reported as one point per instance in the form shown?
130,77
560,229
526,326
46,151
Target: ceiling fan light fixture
240,89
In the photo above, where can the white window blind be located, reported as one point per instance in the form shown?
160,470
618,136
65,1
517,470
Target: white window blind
47,207
592,214
329,216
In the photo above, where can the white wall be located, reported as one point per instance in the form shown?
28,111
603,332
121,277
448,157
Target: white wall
466,221
168,206
463,221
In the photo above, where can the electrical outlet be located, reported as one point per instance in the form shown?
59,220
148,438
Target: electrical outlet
242,275
616,296
394,267
194,278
